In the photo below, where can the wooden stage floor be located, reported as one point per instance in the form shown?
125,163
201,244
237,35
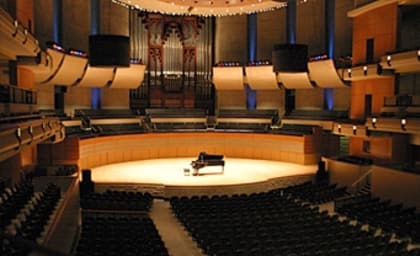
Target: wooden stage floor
170,172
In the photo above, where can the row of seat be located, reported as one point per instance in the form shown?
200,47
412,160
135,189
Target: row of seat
30,222
111,234
12,200
316,193
117,200
274,223
379,213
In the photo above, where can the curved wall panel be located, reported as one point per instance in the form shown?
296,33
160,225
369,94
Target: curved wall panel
96,77
228,78
130,77
295,80
261,77
69,71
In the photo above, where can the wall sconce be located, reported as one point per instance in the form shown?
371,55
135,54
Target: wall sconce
349,72
339,128
365,70
354,129
388,60
16,25
403,123
374,122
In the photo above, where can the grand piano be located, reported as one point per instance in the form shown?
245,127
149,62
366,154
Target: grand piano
205,159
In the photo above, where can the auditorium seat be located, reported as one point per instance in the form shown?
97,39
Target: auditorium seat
274,223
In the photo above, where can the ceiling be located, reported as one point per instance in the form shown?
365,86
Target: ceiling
205,7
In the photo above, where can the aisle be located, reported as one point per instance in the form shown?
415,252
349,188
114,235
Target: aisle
176,239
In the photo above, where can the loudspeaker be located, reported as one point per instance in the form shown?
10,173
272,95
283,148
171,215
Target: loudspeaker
86,175
290,58
109,50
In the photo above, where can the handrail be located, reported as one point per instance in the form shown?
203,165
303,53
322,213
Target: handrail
361,178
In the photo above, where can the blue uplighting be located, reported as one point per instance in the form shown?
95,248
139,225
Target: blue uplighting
95,98
57,14
329,98
252,37
251,98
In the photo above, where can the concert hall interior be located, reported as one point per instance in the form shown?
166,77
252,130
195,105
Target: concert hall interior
209,127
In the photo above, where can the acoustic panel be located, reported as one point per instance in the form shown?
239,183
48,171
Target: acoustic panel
228,78
96,77
297,80
69,71
325,75
131,77
261,77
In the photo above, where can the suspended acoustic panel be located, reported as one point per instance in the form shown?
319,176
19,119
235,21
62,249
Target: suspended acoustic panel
290,58
325,75
109,50
15,40
403,62
96,77
71,68
364,72
228,78
130,78
295,80
261,77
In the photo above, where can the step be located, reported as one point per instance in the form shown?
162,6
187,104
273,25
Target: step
177,241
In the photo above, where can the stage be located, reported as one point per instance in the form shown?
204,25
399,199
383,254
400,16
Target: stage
170,173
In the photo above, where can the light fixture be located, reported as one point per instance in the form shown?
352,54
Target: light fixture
339,128
354,129
403,124
374,122
203,8
349,72
388,60
365,70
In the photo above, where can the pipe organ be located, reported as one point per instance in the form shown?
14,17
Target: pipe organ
178,54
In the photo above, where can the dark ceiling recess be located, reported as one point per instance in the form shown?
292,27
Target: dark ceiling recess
290,58
109,50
